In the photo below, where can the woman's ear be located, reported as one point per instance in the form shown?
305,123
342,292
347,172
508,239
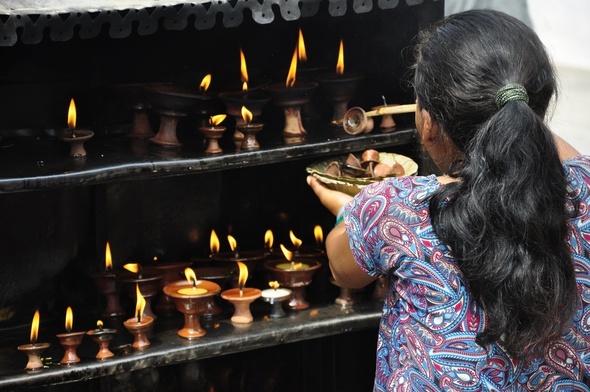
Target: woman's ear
429,130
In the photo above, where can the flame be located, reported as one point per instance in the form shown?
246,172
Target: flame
99,324
291,76
246,115
35,327
268,239
205,83
288,254
132,267
243,276
302,54
215,120
214,242
319,234
243,70
72,115
108,259
274,284
190,276
296,241
155,258
233,244
69,319
340,64
140,306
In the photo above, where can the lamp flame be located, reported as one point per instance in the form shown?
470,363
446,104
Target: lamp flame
217,119
302,54
246,115
233,244
140,305
69,320
243,276
243,71
205,83
72,115
318,234
288,254
190,276
214,242
340,64
99,324
132,267
274,284
268,239
35,327
296,241
292,75
108,259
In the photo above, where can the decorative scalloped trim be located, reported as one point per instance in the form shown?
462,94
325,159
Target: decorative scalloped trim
122,22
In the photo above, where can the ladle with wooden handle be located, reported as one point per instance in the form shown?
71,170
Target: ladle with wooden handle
356,120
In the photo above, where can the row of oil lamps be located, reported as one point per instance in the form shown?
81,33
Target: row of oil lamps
192,296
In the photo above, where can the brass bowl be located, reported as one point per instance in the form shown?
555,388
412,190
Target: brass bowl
353,185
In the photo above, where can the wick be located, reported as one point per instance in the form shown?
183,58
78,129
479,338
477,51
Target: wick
73,133
139,317
384,101
241,292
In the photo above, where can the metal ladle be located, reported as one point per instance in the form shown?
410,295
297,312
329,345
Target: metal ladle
356,120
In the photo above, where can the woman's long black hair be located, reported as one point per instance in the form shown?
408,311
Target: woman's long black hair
505,218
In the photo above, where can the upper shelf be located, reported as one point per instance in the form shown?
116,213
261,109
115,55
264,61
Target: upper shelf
27,20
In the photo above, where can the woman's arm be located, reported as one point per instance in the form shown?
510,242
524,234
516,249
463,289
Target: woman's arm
564,149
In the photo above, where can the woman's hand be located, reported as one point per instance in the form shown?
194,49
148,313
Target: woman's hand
332,200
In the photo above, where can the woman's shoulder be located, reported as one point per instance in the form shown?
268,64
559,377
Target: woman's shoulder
404,190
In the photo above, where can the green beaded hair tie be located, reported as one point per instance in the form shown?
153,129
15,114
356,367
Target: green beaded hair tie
511,92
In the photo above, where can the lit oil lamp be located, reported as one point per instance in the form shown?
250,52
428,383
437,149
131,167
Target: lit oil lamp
294,274
191,297
70,340
139,326
249,131
291,96
171,271
252,258
275,296
268,241
241,297
213,133
148,282
339,87
34,349
75,137
102,336
108,285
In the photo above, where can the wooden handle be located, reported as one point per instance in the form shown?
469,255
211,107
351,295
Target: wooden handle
398,109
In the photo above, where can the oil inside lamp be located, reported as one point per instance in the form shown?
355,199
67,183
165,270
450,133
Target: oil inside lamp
70,340
34,349
139,325
102,336
75,137
191,277
291,265
276,296
213,133
241,297
249,131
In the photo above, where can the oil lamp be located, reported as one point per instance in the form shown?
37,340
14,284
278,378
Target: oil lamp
213,133
75,137
291,96
347,297
339,87
102,336
34,349
108,285
249,131
70,340
275,296
191,297
241,297
140,325
148,282
387,122
294,274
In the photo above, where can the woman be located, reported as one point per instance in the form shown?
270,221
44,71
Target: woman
488,264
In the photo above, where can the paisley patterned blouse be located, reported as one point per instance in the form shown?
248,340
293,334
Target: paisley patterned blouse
430,321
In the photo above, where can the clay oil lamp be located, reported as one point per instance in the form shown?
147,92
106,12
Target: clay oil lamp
387,124
148,281
357,121
252,258
191,297
347,297
75,137
253,99
339,87
34,349
140,325
304,252
294,274
241,297
249,130
131,97
70,340
213,133
291,96
102,336
275,296
171,272
108,285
